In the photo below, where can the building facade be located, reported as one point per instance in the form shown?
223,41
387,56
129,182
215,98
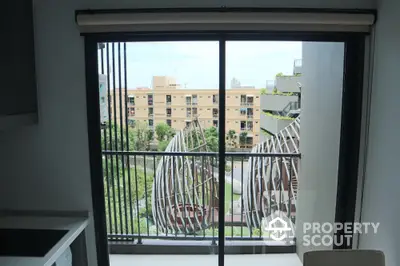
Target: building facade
167,102
280,108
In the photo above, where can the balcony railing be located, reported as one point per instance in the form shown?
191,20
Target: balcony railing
168,115
250,116
168,103
175,195
246,103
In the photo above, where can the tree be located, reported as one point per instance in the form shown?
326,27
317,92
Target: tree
263,91
111,138
142,135
231,137
242,138
211,135
275,91
163,131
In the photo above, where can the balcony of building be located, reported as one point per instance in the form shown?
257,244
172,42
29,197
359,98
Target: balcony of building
194,111
194,100
215,99
131,100
131,111
246,100
168,112
249,113
151,112
168,100
215,112
168,202
188,99
150,99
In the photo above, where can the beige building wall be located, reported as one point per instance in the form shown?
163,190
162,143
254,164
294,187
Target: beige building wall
184,105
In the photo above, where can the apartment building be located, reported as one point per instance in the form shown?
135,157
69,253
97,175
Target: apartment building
167,102
279,109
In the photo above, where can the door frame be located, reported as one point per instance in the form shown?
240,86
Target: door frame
350,128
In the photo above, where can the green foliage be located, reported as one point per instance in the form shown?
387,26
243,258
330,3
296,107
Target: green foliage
243,137
231,138
280,74
123,192
163,131
211,135
143,136
275,91
162,145
111,138
263,91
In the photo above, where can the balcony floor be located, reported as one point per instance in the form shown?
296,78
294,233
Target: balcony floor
201,260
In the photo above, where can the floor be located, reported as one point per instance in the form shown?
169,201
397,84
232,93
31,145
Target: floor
201,260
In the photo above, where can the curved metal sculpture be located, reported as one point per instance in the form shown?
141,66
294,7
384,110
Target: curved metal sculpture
272,181
185,192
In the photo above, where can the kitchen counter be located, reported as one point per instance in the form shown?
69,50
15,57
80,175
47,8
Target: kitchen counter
73,225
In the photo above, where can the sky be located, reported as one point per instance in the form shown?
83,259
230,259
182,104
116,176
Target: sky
195,64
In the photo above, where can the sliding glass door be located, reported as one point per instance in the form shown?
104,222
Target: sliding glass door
200,143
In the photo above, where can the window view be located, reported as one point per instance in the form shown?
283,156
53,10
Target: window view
160,125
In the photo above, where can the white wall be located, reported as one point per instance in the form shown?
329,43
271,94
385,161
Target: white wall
47,166
322,75
381,189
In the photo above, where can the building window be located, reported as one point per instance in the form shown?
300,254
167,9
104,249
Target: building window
169,122
131,111
151,122
215,99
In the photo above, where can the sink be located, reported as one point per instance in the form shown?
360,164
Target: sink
28,242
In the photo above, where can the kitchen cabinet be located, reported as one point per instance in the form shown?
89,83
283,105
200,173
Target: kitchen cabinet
18,98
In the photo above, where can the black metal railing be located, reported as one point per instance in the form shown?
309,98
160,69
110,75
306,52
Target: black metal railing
175,195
